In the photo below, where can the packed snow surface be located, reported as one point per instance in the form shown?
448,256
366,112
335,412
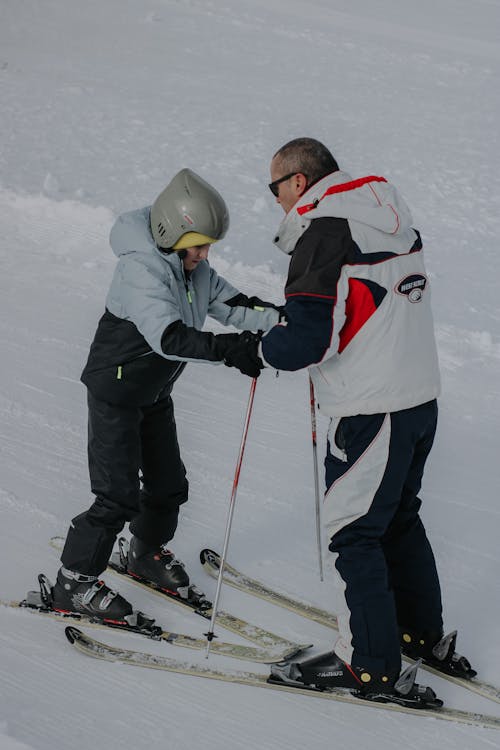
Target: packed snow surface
101,103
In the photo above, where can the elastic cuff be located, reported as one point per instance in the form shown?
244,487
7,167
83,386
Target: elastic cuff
261,355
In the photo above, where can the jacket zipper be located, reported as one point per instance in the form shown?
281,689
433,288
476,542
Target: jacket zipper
186,287
119,368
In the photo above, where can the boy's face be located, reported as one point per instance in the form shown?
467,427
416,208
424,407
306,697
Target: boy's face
195,255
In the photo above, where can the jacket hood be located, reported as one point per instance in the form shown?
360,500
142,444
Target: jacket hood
369,200
131,233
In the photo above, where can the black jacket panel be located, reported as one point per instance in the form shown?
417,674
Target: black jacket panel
122,369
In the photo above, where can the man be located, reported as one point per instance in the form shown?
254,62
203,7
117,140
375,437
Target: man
358,315
161,292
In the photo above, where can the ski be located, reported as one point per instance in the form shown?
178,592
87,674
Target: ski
211,562
232,650
91,647
276,647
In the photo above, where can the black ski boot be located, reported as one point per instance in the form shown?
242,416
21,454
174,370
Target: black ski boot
74,592
438,651
329,672
86,599
159,566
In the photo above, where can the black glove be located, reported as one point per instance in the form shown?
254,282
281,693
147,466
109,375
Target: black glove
243,354
223,342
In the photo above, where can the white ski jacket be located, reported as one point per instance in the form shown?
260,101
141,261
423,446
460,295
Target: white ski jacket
358,299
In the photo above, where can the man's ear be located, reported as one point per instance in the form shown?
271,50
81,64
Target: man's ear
299,184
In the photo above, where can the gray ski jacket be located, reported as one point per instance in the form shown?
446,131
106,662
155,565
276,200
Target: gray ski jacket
154,316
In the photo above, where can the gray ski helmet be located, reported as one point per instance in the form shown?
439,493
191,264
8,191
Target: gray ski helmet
188,204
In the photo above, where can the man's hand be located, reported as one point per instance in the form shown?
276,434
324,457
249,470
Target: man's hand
243,354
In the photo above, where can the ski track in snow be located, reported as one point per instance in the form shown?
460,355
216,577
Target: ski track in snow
145,89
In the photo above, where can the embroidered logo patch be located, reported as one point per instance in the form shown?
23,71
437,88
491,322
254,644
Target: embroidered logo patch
412,287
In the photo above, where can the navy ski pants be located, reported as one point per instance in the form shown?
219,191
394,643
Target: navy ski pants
374,467
122,443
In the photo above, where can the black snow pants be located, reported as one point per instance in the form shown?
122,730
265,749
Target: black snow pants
384,562
128,446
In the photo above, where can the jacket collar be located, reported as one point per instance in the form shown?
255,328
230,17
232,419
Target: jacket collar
295,222
370,201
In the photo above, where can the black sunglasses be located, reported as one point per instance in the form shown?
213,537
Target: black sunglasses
274,186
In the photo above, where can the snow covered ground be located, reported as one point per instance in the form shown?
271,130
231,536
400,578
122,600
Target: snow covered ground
101,103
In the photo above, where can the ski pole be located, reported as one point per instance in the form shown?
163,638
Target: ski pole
316,478
210,634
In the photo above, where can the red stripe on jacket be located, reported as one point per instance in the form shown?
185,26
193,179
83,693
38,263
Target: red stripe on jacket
344,187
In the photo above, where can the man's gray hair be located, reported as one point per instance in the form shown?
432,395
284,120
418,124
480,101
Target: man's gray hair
307,156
